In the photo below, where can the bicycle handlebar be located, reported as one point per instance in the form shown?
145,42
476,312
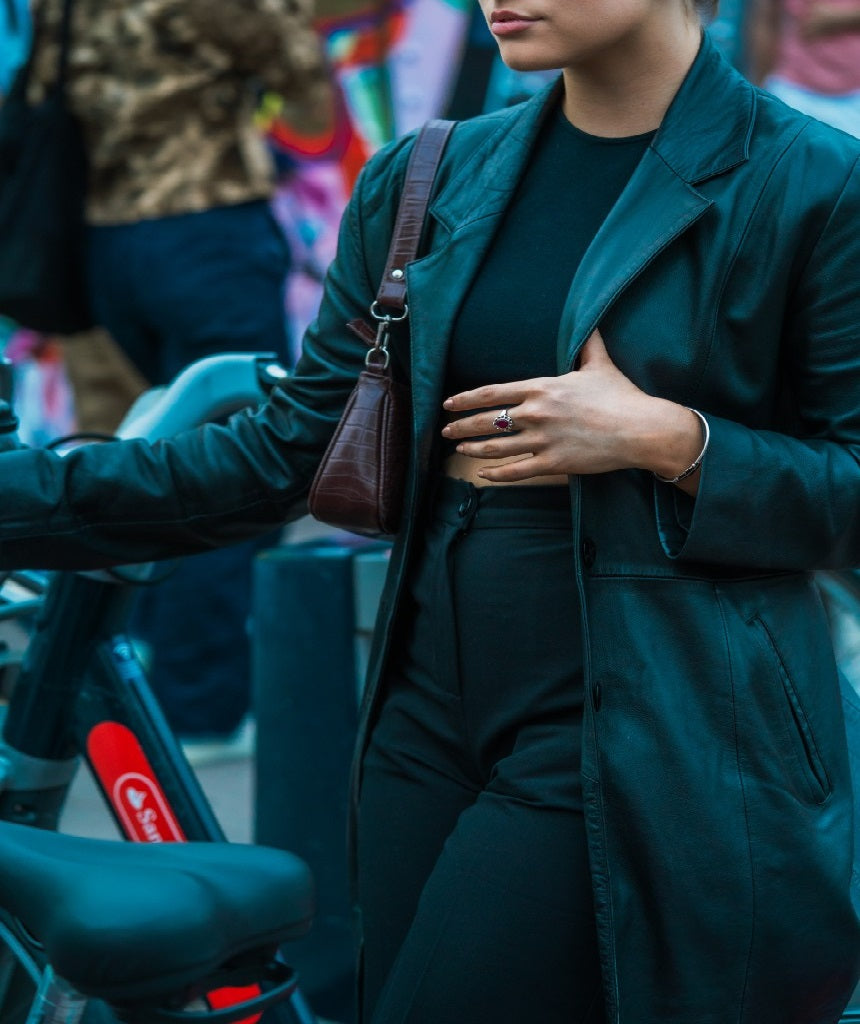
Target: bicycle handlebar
208,389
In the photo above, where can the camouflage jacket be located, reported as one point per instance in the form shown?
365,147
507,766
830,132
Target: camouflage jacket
166,92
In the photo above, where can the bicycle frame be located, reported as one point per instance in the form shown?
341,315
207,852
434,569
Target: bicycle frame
82,692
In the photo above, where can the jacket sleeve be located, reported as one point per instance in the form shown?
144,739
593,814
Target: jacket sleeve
134,501
791,502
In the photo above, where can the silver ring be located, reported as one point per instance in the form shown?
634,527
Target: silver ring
504,422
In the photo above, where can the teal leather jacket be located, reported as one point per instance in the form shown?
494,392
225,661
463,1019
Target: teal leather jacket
727,277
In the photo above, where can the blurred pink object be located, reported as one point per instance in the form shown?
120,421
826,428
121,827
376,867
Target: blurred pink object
43,399
828,64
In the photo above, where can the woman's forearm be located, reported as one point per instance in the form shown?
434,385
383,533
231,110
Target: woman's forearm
672,439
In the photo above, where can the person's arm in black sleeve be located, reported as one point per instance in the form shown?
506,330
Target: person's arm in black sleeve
133,501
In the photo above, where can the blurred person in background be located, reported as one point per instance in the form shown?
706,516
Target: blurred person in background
807,52
103,381
185,260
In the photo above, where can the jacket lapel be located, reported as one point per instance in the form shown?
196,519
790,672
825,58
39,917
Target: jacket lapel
467,213
654,209
705,133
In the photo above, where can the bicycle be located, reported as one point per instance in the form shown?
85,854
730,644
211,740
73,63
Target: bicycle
96,931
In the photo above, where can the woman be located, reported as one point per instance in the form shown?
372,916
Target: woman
603,773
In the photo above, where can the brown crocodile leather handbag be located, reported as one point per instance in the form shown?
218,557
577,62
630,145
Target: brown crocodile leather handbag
359,485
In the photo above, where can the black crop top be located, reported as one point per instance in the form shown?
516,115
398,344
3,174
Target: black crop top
506,329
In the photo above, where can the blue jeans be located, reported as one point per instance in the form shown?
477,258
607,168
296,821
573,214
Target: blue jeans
172,290
175,289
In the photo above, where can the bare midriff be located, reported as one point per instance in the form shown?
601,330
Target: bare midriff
465,467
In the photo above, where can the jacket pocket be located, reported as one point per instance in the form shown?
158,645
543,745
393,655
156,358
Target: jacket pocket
804,751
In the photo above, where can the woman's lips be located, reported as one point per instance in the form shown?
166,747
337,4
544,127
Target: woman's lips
508,23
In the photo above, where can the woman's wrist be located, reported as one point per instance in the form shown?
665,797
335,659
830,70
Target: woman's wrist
671,441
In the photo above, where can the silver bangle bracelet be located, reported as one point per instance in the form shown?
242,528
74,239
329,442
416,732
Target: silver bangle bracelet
694,465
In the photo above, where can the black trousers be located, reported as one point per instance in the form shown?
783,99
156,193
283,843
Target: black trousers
473,871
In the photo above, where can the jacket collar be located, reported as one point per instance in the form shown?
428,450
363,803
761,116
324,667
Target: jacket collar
705,132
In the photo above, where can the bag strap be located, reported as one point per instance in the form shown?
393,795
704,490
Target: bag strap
417,188
389,306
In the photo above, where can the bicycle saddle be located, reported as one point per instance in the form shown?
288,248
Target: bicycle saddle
124,922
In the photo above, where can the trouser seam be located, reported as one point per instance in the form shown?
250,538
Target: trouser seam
380,1016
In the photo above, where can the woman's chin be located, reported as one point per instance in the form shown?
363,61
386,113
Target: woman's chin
524,61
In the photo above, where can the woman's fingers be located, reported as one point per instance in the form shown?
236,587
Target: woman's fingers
502,421
514,472
491,396
496,447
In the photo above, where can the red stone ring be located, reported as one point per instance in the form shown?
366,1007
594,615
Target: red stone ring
504,422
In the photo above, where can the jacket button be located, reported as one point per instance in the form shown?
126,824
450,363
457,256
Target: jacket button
596,696
589,552
466,506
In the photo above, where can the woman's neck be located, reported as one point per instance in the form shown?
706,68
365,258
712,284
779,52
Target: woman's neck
627,91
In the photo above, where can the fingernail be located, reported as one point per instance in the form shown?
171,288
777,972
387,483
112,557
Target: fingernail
446,432
448,403
460,448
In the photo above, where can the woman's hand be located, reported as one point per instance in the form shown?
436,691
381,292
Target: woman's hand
592,420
